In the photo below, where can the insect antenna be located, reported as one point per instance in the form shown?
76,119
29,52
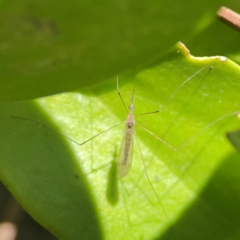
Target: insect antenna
120,95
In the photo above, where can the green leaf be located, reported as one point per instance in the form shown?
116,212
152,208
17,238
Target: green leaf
193,193
49,47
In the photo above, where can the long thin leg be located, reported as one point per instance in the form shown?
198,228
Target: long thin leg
161,140
147,176
195,135
80,144
172,96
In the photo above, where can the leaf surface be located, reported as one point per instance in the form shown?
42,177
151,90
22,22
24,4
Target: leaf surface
66,187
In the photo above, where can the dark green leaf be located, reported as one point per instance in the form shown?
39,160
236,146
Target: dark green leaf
55,46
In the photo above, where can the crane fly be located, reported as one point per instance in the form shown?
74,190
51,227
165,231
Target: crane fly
126,148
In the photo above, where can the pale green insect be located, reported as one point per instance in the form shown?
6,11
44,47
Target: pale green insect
126,149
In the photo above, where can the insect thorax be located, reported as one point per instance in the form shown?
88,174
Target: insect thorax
130,121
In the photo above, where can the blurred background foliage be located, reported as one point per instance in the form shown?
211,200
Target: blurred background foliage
49,47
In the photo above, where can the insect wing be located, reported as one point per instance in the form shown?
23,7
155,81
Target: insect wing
126,152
